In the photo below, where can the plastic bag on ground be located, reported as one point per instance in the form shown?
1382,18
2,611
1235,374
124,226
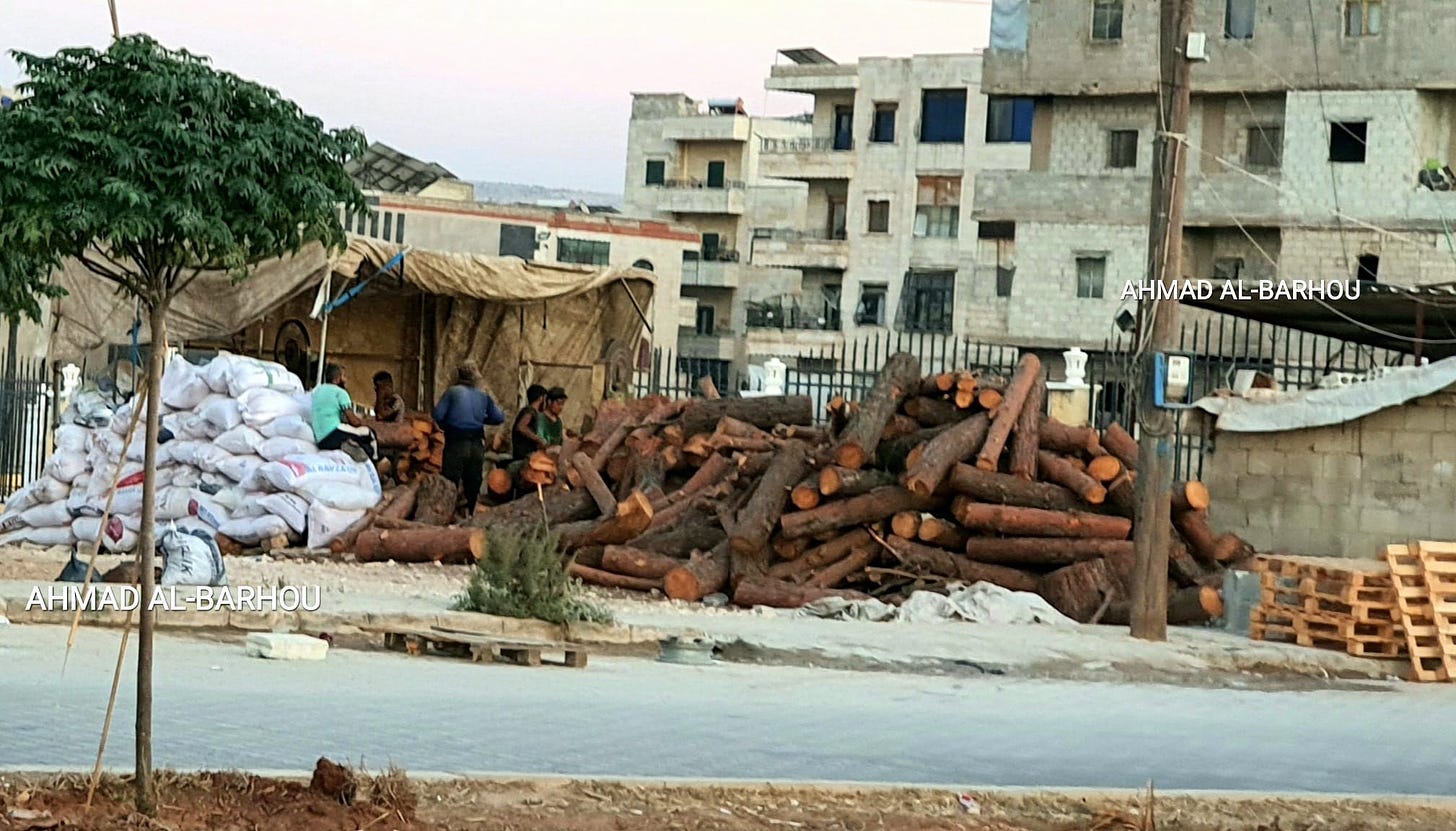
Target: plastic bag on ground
75,570
241,441
325,524
191,559
254,529
290,427
183,386
291,508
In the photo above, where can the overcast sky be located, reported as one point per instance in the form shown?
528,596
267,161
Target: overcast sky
530,91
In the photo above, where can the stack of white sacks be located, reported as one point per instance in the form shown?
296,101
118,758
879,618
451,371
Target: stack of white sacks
241,462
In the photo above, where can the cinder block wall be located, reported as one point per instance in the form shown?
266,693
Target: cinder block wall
1344,490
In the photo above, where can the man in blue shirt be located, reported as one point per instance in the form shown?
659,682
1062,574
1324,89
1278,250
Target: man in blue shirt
463,413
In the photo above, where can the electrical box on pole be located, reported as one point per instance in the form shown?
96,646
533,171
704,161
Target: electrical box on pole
1173,380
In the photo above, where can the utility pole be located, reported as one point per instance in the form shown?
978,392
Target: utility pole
1160,317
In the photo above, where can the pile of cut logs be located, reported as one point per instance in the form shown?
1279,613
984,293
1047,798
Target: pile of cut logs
415,444
958,477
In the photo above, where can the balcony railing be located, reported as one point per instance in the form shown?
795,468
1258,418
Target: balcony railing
727,184
800,235
805,145
789,316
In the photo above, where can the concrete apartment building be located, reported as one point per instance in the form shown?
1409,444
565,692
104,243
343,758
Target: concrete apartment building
878,241
1308,149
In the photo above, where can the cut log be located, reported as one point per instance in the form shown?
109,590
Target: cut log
836,573
906,524
1182,566
937,386
764,591
930,560
435,500
843,482
702,575
1119,443
1028,372
1079,590
965,390
878,504
1002,489
634,562
498,482
899,425
230,547
1062,438
932,412
730,426
1186,606
1122,495
712,471
989,399
1044,552
397,504
1104,468
598,577
1230,548
1035,522
808,435
608,448
694,530
753,465
1192,526
761,514
816,558
805,495
570,446
939,532
703,415
708,388
1059,469
893,455
633,516
790,549
395,435
421,545
560,506
1190,496
900,374
943,452
1024,442
592,481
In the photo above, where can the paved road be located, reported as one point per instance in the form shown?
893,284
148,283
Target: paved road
219,709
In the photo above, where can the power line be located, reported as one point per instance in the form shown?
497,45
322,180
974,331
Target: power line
1320,91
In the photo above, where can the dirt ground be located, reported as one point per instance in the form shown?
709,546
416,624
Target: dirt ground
228,801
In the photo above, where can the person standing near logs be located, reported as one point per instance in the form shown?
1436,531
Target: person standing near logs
524,439
548,423
463,413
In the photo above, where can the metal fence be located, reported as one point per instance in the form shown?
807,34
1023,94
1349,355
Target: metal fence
1222,346
26,406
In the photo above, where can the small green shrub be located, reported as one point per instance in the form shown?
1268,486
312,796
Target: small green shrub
522,575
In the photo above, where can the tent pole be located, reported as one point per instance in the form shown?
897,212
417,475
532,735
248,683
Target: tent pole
324,337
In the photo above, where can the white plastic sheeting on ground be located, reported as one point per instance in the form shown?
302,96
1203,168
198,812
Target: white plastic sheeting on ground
978,603
1323,407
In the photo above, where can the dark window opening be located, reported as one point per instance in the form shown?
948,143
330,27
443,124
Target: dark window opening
871,308
363,223
1122,148
1238,19
582,251
706,320
1362,18
1107,19
928,302
1008,120
879,217
374,224
399,229
1004,277
943,116
711,244
388,225
1091,276
518,241
882,131
996,230
843,128
1347,141
1367,268
716,173
645,265
656,172
838,220
1265,147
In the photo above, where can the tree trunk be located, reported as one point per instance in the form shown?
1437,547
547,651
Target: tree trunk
843,482
836,573
1122,495
906,524
965,390
146,562
1044,552
598,577
945,451
633,516
702,575
1078,590
1028,372
939,532
394,435
929,560
897,426
764,591
937,386
1119,443
696,530
703,415
1034,522
1192,526
1186,606
1024,441
878,504
421,545
435,500
1002,489
758,518
1182,567
892,456
1057,469
592,481
397,504
1190,496
932,412
498,482
900,375
560,506
816,558
790,549
990,399
636,562
805,495
1061,438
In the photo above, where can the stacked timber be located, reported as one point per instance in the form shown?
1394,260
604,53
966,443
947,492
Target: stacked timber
925,481
415,444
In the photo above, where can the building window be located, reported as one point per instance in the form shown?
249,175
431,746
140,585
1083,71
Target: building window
943,116
1347,141
645,265
928,302
871,308
706,320
998,250
363,223
711,244
1107,19
838,227
882,131
1362,18
1091,275
1228,268
388,225
1009,120
1367,268
816,365
843,128
717,171
374,224
1122,147
1264,146
656,171
879,216
582,251
518,241
1238,19
399,229
937,207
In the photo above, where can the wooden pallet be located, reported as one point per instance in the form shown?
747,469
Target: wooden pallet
1372,611
1438,565
1422,641
1365,639
482,648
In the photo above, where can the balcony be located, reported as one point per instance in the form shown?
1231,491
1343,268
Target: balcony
696,196
791,316
706,128
1021,196
721,274
800,249
721,345
812,78
806,158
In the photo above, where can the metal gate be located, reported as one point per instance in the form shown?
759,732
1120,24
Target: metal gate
26,402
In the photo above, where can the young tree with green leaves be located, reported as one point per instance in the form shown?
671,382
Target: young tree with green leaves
150,167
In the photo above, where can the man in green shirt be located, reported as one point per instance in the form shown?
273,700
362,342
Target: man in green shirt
335,424
548,422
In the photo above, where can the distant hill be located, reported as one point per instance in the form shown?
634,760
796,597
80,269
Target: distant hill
510,193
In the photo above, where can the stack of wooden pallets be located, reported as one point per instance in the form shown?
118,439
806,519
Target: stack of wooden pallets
1331,603
1424,575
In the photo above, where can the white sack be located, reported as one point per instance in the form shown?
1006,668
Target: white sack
275,450
240,469
205,508
290,427
325,524
291,508
247,374
66,465
50,515
71,438
191,559
254,529
183,386
240,441
38,536
221,412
